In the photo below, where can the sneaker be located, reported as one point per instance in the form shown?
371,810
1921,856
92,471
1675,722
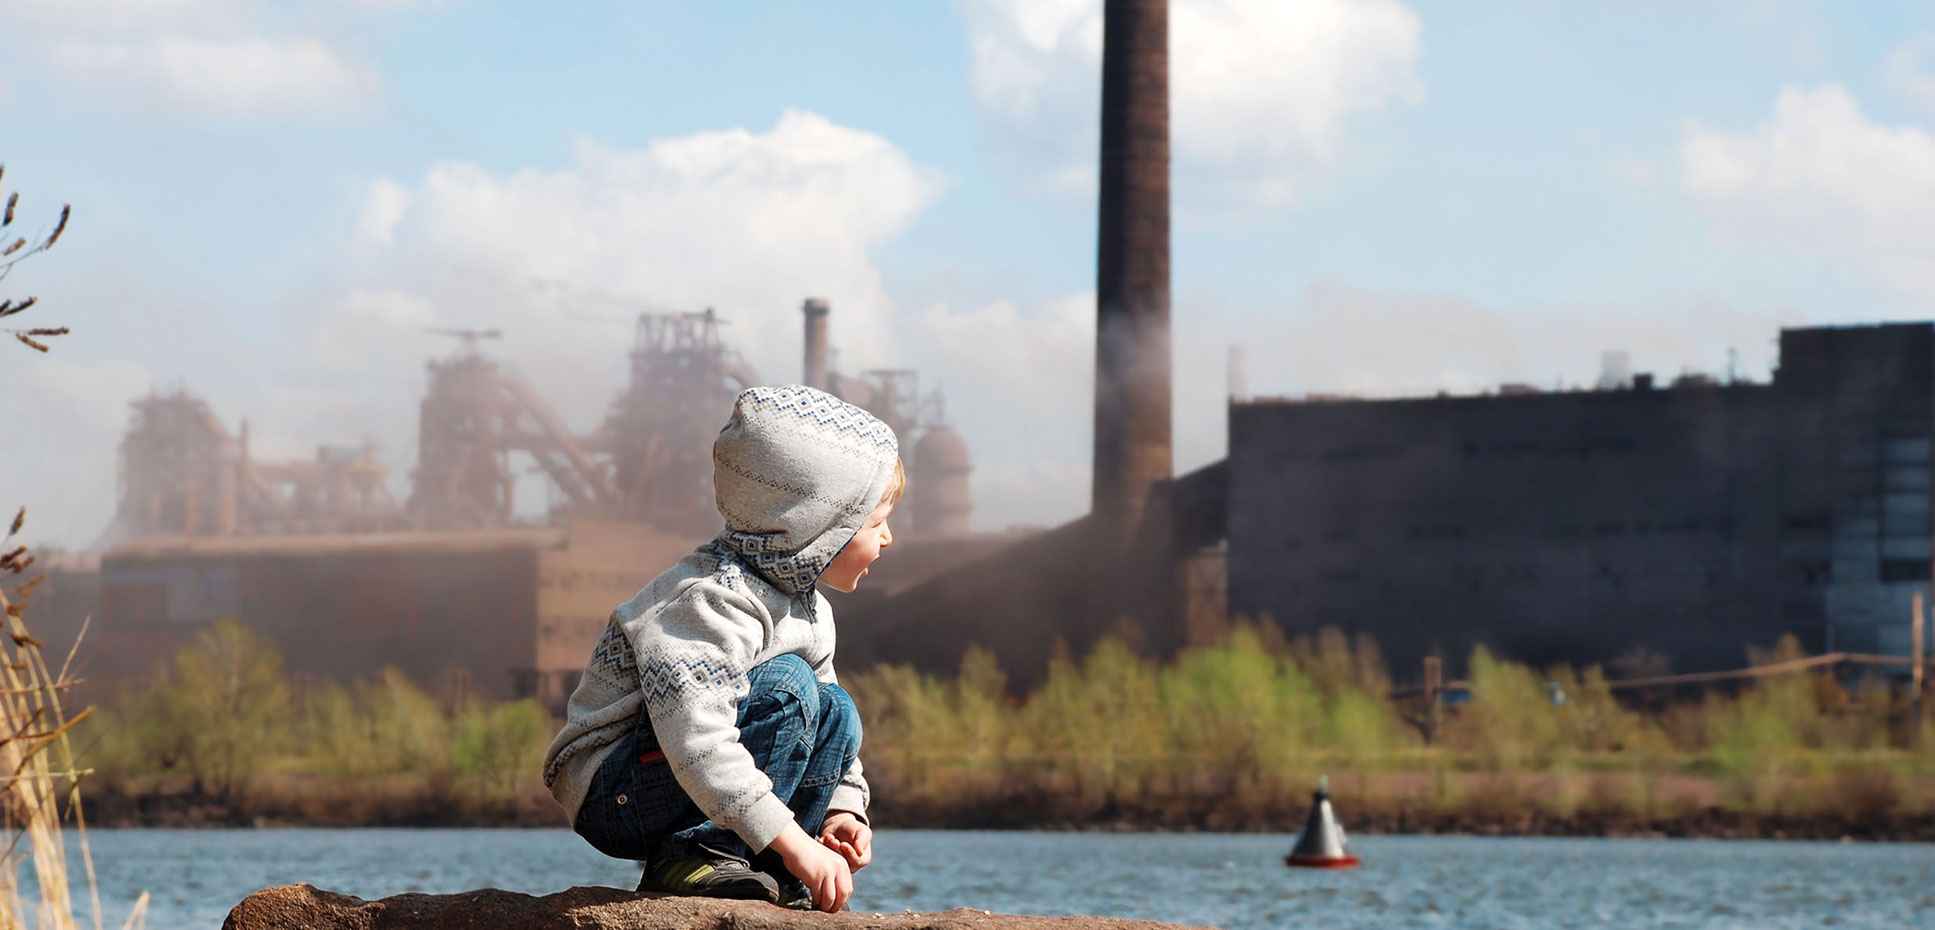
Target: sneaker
710,876
793,894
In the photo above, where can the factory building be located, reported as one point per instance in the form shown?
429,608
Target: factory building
450,585
1690,520
1636,524
501,613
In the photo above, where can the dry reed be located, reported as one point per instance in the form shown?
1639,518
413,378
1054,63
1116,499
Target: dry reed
39,782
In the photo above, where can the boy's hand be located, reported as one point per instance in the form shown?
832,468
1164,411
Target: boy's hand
845,834
825,873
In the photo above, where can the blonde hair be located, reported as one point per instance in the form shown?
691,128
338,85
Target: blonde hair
897,487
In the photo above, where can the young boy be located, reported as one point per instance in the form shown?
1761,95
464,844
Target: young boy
709,737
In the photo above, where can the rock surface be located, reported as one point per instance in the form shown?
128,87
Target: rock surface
304,906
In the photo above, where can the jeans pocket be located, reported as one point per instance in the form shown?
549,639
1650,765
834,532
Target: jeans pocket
630,802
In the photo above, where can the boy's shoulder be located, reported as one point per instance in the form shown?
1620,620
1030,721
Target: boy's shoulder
710,571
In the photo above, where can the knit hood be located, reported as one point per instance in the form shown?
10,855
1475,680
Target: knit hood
797,471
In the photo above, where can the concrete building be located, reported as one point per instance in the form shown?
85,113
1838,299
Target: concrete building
502,613
1692,519
1685,521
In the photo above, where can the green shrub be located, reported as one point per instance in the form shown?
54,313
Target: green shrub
494,745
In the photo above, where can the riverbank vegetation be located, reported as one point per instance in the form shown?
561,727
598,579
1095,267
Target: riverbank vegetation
1228,735
1233,734
224,734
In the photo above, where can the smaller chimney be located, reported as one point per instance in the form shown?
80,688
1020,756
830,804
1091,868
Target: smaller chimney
1239,375
815,311
1614,370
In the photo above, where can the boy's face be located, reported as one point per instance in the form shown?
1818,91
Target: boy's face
844,574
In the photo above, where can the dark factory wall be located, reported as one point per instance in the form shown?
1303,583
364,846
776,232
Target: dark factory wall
1018,601
429,613
445,616
63,607
1024,599
1576,526
1856,414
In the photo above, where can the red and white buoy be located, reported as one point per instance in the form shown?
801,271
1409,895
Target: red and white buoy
1321,845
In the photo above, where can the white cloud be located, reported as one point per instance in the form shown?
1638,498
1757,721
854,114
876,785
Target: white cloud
1819,176
1020,389
369,330
1261,90
1048,352
562,260
290,79
748,223
1910,69
1039,492
1339,341
65,418
99,16
383,208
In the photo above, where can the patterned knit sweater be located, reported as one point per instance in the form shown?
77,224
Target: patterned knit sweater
796,472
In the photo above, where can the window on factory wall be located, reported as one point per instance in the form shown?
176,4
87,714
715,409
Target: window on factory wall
135,602
1900,570
1357,453
1905,450
1905,514
201,594
1810,571
173,594
1686,526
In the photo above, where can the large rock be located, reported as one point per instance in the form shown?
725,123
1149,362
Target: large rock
290,907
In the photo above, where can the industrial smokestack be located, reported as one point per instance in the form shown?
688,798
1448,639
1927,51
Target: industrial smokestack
1132,443
815,310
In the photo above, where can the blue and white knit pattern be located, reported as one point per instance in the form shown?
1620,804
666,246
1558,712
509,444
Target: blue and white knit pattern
669,681
796,471
795,571
613,655
824,414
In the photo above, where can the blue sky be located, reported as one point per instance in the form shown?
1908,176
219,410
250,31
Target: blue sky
272,201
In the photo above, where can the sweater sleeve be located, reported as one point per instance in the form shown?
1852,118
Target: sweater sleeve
693,656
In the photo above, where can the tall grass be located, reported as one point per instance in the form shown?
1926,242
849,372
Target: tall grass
39,780
1236,729
223,720
1229,733
37,773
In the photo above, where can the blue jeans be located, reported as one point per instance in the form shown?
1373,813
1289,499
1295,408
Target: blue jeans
803,734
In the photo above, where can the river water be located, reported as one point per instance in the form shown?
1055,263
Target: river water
1235,881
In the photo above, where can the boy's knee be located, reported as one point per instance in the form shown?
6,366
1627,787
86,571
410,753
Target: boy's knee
837,710
786,677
